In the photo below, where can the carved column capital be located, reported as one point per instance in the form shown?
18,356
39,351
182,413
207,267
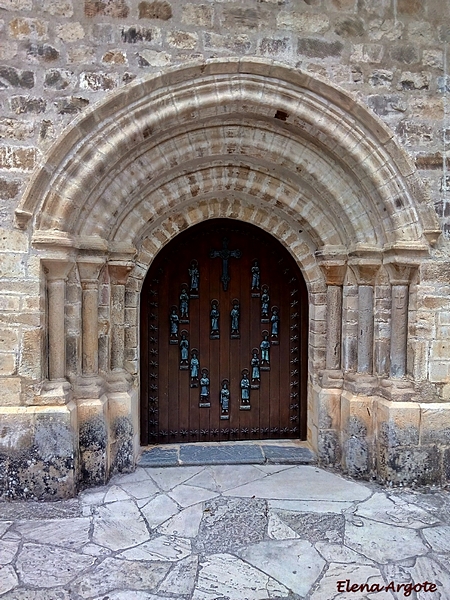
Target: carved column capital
400,273
118,272
57,269
89,268
365,263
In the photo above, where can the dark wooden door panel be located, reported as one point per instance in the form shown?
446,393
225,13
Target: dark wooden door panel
172,406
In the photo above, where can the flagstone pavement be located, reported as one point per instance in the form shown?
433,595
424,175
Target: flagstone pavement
224,532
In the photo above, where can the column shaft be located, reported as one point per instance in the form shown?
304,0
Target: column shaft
334,326
118,327
56,337
399,330
90,327
365,328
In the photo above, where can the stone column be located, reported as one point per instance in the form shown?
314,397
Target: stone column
89,270
400,276
118,275
334,271
56,273
366,267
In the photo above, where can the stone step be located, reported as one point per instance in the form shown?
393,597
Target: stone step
227,453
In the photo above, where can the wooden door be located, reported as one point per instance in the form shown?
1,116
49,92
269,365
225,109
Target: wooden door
224,321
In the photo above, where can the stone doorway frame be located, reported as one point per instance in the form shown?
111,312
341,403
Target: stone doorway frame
136,169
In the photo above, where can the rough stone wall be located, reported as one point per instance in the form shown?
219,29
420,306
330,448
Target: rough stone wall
59,56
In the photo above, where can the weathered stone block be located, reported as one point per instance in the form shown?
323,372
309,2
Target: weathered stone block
16,4
386,29
60,8
318,48
7,364
404,53
11,390
70,105
328,448
381,78
43,51
26,29
182,39
158,9
236,43
93,441
410,466
273,46
367,53
115,57
435,423
414,81
303,22
398,423
16,129
132,35
70,32
153,58
349,27
59,79
9,76
96,81
107,8
25,104
201,15
414,133
385,105
16,158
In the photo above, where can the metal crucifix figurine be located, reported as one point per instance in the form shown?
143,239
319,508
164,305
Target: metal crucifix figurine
225,254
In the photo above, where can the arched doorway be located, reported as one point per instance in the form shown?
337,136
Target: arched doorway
224,323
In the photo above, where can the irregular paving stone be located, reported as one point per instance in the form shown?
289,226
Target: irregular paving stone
181,579
113,574
294,563
427,569
228,477
340,554
36,565
315,527
132,595
305,483
9,545
184,524
224,576
4,526
186,495
141,489
438,538
115,494
94,550
283,454
164,547
69,533
356,574
138,475
382,542
310,506
278,530
119,525
159,510
394,511
8,579
231,522
21,594
168,478
61,509
206,480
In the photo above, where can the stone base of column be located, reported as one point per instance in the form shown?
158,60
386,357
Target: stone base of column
324,420
332,378
88,387
56,392
358,418
397,390
123,408
38,452
93,435
119,381
359,383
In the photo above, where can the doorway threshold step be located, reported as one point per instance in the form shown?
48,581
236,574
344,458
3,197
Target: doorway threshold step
175,455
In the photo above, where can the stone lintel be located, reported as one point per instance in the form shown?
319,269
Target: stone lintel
53,240
119,272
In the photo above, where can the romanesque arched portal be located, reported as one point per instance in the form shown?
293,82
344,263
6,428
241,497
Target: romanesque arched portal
249,140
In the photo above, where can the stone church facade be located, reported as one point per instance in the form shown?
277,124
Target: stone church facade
125,123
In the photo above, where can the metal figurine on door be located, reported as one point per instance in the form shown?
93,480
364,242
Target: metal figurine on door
194,367
265,346
174,323
255,279
235,315
225,399
204,389
265,301
275,324
245,391
194,274
184,305
184,351
214,315
255,364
